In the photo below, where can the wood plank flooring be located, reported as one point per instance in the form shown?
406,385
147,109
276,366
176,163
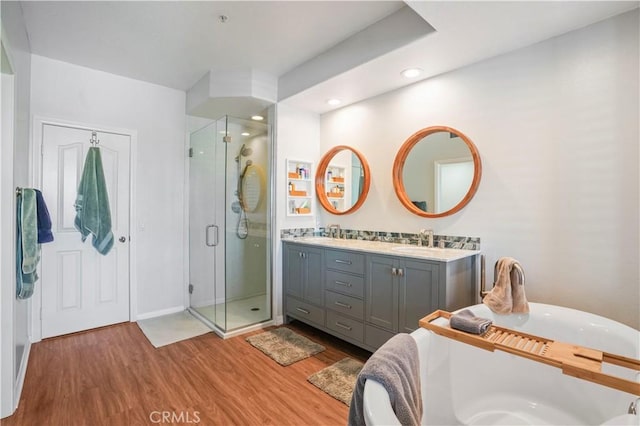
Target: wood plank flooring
114,376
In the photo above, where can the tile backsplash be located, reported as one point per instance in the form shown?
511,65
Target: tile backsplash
457,242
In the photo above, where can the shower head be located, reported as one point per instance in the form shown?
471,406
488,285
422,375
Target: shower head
245,151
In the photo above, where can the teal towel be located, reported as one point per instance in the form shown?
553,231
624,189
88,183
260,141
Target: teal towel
92,204
29,227
24,281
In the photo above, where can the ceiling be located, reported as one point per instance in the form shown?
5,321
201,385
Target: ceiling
324,47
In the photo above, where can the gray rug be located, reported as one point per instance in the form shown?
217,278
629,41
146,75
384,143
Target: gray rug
339,379
172,328
284,346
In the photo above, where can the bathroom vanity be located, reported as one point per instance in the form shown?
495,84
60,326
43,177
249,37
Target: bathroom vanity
364,292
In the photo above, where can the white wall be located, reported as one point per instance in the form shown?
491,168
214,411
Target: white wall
298,137
15,316
64,91
556,125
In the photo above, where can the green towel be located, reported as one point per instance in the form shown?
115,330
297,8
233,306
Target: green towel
92,204
24,281
29,229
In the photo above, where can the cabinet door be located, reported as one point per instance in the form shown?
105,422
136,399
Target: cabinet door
313,282
382,293
418,292
293,270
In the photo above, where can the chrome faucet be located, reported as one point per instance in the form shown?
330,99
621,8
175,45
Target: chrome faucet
426,233
335,227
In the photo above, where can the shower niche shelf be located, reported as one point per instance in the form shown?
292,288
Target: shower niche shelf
299,188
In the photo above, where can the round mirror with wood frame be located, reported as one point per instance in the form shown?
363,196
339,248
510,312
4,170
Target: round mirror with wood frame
436,172
342,180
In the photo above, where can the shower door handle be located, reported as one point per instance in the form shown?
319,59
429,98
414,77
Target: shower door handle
215,235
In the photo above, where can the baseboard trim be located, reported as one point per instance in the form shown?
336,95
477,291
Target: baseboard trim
160,313
244,330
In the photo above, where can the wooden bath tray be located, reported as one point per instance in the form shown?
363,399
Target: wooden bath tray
573,360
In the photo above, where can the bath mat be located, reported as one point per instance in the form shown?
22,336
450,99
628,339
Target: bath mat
167,329
339,379
284,346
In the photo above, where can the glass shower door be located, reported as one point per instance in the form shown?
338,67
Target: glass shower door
206,220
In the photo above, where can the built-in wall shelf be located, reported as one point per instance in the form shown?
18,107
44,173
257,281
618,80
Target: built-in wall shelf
299,188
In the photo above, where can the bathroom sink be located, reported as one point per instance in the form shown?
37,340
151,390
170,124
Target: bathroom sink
433,252
421,250
315,239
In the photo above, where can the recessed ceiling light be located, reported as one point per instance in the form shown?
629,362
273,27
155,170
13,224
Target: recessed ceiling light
245,133
334,101
411,72
257,117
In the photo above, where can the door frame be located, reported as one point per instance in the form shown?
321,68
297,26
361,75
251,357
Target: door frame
10,388
36,175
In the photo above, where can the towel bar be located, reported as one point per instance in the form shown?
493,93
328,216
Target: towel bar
483,290
18,191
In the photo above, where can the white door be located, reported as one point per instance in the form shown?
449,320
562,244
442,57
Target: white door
82,289
453,180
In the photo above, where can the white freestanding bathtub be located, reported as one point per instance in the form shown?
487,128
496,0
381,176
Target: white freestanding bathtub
465,385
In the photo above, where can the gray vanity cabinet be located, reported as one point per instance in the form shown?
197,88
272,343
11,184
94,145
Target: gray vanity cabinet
381,308
366,298
304,282
419,291
399,292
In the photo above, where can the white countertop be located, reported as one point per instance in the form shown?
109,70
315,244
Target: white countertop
393,249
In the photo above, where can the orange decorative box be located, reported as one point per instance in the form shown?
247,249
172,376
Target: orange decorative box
294,175
303,210
335,194
298,193
337,179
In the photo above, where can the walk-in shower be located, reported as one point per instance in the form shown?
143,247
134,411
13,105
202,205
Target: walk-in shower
229,224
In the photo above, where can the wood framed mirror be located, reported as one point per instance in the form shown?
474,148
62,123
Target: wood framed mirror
342,180
436,172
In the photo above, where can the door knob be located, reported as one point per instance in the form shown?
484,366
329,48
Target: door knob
122,239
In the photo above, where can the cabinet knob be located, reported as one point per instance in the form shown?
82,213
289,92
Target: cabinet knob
394,271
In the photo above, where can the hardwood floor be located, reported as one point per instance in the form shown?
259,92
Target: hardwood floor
114,376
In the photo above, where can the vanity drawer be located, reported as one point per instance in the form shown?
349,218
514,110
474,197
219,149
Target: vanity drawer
305,311
346,326
344,283
344,304
344,261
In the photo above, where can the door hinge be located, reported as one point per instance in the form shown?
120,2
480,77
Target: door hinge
190,288
226,139
190,152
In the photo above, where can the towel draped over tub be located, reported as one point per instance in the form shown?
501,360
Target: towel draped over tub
396,366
